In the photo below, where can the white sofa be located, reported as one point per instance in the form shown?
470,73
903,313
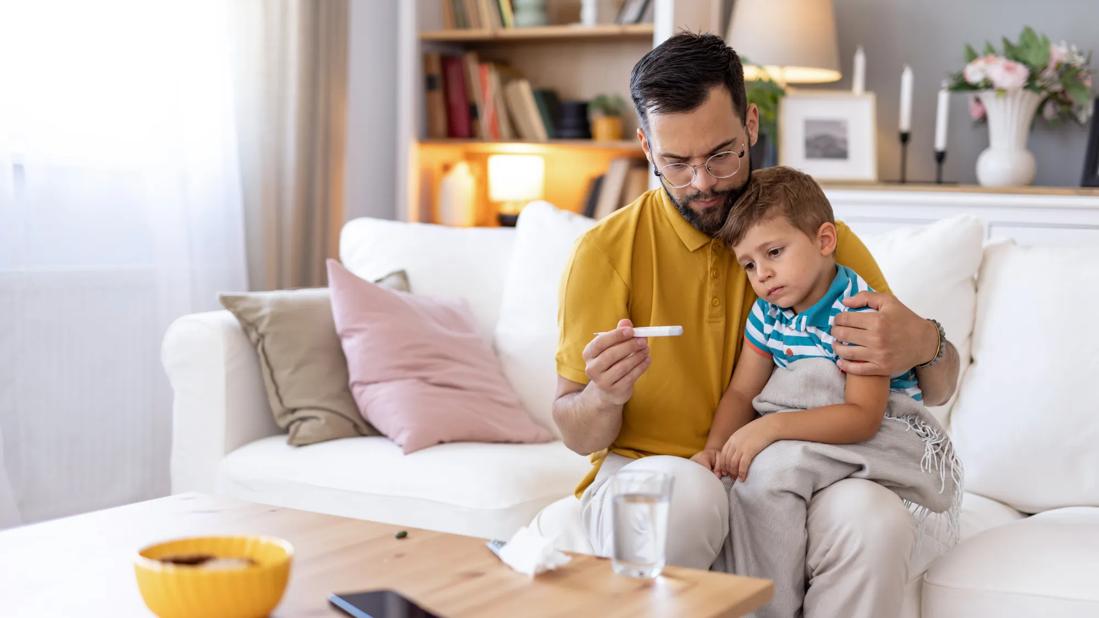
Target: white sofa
1025,421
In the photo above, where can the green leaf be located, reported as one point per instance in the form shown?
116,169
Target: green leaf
1079,93
989,49
970,53
1012,52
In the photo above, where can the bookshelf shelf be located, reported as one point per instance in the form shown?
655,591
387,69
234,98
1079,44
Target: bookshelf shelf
518,146
631,32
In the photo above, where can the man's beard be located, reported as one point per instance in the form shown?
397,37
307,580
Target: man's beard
710,220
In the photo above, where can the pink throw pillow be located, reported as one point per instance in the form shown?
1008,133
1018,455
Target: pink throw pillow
419,371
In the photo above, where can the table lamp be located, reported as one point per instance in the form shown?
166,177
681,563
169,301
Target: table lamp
794,40
513,181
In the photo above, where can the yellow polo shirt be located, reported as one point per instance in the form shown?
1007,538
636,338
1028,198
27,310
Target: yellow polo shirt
647,263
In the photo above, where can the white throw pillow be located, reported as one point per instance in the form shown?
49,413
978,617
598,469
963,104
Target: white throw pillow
445,262
931,269
1026,424
526,333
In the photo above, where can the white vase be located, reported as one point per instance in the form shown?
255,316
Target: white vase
1007,162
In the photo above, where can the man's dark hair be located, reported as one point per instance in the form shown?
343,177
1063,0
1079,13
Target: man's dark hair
677,75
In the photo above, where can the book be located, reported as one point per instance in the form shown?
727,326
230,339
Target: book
637,183
449,19
458,9
530,111
610,193
547,103
434,97
513,94
491,10
473,95
489,113
506,13
457,101
474,19
592,199
507,131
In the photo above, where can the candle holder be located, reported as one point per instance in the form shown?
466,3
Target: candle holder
940,156
904,156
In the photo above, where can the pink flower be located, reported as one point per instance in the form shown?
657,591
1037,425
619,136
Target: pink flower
1049,110
1007,74
976,109
1058,52
975,72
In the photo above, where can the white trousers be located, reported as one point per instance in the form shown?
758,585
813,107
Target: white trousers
860,536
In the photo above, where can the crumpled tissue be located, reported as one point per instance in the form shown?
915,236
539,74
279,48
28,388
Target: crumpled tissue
529,552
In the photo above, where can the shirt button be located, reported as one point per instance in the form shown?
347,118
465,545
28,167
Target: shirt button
714,274
789,352
715,301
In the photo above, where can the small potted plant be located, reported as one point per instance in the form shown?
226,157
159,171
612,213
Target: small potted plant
606,111
765,94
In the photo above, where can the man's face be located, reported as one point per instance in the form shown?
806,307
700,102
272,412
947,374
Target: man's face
692,137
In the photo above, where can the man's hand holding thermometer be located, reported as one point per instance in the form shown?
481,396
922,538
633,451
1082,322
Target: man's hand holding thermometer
615,359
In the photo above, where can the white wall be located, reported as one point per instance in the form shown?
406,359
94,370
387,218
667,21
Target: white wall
372,170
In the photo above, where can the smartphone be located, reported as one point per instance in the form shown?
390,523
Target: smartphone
378,604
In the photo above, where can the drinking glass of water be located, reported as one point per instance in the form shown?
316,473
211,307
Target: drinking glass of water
640,509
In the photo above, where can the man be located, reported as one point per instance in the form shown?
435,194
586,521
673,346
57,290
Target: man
649,405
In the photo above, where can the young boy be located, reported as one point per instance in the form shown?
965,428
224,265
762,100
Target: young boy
829,426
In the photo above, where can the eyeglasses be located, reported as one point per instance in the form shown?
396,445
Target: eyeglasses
720,166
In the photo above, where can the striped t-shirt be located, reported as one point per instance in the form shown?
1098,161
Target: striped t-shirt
788,337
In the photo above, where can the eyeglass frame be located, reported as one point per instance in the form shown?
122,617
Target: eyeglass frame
659,171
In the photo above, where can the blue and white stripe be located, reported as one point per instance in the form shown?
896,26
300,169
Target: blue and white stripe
789,337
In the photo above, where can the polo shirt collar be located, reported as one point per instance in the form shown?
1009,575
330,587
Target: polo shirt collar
819,314
691,238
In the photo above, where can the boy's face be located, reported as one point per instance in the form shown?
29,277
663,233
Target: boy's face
784,265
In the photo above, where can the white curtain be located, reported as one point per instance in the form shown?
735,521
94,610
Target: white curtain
120,210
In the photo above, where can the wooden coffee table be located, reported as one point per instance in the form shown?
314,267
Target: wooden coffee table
81,566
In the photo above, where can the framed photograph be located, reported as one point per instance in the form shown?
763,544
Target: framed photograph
632,11
829,135
1091,159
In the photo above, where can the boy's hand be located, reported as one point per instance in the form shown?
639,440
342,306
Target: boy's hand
743,446
708,458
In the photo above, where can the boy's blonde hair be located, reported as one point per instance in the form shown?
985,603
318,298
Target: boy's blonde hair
777,191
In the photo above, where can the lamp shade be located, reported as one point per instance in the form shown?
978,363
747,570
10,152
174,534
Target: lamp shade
515,178
794,40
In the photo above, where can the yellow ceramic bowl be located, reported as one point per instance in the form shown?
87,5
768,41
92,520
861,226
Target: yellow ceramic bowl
172,590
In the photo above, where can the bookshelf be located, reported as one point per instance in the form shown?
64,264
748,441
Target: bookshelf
640,32
576,62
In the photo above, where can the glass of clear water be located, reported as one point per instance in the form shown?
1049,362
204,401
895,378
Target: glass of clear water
640,525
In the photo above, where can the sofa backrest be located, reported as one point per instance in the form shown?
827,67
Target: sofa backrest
1026,423
469,263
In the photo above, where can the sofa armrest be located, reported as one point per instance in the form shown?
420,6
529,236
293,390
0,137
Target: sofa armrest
219,402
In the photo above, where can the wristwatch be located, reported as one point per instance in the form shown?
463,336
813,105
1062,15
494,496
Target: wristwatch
938,351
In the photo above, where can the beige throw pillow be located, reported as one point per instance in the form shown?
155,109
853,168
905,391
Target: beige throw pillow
304,369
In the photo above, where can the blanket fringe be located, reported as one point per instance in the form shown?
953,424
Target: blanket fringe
939,459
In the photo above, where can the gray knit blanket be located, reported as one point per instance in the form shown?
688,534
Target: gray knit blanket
911,453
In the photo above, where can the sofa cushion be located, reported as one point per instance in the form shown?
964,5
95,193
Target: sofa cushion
931,269
1045,565
304,370
448,262
1025,424
418,369
526,335
485,490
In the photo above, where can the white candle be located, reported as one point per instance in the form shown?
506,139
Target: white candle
858,76
942,117
906,99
